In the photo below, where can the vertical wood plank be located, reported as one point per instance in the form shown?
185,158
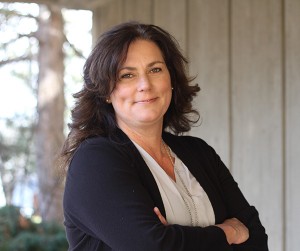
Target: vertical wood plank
171,15
208,48
119,11
292,101
106,16
257,109
138,10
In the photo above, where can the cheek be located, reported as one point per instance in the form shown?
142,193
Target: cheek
120,97
118,94
168,81
167,87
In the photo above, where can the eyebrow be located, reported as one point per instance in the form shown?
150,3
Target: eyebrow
149,65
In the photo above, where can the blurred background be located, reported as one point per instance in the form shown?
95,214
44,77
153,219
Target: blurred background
245,55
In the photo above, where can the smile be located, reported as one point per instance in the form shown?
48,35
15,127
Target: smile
146,101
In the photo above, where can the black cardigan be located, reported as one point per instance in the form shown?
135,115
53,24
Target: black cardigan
110,194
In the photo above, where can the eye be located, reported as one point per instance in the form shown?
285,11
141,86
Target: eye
126,75
156,70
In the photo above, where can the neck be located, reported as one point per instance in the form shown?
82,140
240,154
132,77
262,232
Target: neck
148,138
151,141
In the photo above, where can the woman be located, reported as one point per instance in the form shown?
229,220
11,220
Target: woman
130,184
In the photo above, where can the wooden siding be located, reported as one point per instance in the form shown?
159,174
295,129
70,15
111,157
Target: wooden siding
257,157
246,56
291,65
208,52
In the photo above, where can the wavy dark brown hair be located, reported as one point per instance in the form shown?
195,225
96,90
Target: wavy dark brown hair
93,116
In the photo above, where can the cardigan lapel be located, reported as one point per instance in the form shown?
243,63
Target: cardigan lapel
143,171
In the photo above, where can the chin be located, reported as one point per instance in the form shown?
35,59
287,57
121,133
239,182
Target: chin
149,120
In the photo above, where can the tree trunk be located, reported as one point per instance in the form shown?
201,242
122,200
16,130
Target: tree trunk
51,104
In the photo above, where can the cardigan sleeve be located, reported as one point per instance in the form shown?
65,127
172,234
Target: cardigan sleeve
106,200
237,206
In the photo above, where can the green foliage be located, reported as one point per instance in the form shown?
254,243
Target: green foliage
21,234
17,160
16,138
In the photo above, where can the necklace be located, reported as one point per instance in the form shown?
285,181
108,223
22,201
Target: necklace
168,151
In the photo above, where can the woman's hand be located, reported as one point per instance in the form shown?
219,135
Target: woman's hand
236,232
160,217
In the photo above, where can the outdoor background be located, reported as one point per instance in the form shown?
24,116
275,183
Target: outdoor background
245,54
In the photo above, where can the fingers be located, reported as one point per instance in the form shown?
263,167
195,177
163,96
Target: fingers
160,216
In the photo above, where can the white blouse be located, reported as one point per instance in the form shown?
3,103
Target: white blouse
185,201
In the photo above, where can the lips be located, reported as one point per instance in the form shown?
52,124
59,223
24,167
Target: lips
145,101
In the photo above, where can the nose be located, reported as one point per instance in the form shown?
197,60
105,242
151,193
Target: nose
144,83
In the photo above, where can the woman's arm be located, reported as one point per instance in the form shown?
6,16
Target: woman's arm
236,232
239,208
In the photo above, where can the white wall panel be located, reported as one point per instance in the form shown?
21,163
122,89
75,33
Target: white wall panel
292,105
138,10
257,109
171,15
208,51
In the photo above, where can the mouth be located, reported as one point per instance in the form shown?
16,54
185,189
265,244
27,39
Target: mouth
146,101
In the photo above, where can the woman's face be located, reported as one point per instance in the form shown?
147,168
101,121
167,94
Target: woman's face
143,92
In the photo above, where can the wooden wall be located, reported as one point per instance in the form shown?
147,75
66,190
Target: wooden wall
246,55
291,113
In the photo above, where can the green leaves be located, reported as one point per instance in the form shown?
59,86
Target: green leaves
18,233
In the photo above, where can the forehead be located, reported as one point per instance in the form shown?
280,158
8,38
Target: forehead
143,50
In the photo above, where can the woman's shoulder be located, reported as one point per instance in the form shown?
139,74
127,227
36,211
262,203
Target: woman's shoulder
102,147
185,140
188,145
100,152
116,140
94,141
91,143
